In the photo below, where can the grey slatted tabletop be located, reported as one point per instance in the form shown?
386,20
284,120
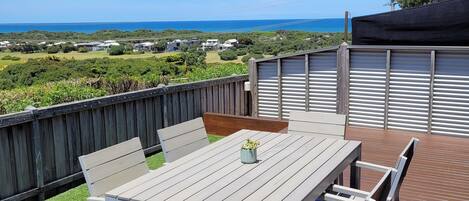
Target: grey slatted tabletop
290,167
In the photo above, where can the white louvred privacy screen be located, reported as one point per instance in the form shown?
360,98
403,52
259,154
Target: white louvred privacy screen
323,82
293,85
451,94
367,88
321,86
268,89
415,89
409,90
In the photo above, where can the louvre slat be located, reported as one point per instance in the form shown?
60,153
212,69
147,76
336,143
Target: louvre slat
377,118
408,100
368,101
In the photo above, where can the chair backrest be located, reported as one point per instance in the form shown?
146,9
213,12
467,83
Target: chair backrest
182,139
381,191
396,175
408,152
114,166
317,124
402,166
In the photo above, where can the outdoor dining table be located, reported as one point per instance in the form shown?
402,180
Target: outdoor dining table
289,167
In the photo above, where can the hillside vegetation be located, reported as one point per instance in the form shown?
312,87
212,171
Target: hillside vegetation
269,43
48,81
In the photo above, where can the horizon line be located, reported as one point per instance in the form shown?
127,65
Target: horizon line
109,22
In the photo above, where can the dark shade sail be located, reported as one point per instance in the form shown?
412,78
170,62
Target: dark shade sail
439,24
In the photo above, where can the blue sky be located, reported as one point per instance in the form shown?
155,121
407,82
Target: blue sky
34,11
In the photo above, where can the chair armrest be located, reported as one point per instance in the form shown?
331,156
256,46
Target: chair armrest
95,199
332,197
371,166
350,191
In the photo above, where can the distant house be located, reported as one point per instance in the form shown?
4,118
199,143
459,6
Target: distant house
210,44
228,44
4,44
109,41
91,46
97,46
176,45
60,43
194,42
107,44
144,47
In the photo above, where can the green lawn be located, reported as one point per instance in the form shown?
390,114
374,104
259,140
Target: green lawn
80,193
212,56
74,55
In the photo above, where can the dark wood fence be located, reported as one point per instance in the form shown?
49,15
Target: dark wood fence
39,149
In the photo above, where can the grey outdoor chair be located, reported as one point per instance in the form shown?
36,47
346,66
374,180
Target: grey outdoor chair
182,139
112,167
398,174
318,124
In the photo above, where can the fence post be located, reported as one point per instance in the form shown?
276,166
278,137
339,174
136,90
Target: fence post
307,82
432,83
165,110
279,81
386,93
37,149
343,74
253,85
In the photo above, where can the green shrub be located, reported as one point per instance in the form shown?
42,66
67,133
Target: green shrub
194,57
116,50
228,55
11,58
68,48
216,70
53,49
177,59
82,50
45,95
246,58
241,51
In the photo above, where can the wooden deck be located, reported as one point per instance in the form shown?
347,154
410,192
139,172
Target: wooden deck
439,170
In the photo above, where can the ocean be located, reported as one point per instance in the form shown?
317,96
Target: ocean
310,25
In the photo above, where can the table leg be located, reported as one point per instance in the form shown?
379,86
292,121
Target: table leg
355,173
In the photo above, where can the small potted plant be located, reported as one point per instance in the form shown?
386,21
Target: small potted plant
249,151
